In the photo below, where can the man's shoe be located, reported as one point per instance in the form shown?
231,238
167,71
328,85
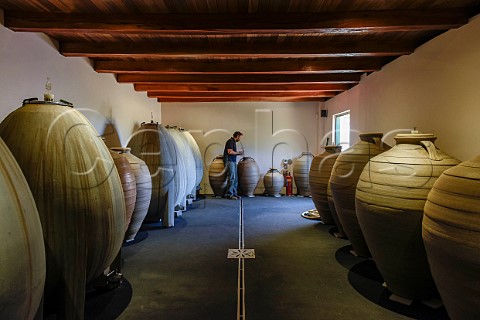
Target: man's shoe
234,198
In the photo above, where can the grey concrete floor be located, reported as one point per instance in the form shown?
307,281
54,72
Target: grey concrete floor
300,271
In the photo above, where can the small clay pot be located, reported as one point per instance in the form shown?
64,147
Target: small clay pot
273,182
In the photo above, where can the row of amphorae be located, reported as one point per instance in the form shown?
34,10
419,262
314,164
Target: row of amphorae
412,208
68,202
249,176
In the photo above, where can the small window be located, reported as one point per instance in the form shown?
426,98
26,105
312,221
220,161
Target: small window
341,129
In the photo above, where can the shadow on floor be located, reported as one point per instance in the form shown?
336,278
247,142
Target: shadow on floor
365,278
106,305
139,237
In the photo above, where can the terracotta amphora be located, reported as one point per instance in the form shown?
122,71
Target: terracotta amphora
217,175
248,176
343,181
273,182
301,169
22,263
78,194
318,178
143,185
451,234
391,194
129,186
154,145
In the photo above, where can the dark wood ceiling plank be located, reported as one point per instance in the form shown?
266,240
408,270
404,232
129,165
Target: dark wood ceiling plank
241,67
271,23
235,87
174,94
235,50
345,78
242,99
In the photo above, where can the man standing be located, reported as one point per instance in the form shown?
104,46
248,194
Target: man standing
230,159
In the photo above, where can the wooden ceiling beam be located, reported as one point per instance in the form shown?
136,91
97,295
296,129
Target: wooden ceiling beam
235,50
235,87
223,94
242,99
292,66
268,23
345,78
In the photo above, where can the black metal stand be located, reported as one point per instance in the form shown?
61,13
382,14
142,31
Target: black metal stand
108,303
109,295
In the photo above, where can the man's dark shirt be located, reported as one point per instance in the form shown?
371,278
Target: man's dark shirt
230,144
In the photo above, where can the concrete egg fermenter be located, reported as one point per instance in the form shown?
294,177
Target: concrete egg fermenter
78,194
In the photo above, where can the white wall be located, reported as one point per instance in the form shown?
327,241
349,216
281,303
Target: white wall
272,131
436,89
27,59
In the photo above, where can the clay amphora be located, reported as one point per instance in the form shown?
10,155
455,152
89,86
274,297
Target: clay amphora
154,145
319,176
185,172
129,186
333,211
273,182
301,169
451,234
343,181
217,175
78,194
22,262
248,176
143,184
391,194
198,159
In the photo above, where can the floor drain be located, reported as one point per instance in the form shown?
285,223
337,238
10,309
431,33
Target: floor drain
241,253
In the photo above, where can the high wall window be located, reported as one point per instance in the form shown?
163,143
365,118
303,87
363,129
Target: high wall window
341,129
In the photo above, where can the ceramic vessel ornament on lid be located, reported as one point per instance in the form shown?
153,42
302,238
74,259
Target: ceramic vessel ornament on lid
48,95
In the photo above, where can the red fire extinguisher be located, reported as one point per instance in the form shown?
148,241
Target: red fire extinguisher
288,185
